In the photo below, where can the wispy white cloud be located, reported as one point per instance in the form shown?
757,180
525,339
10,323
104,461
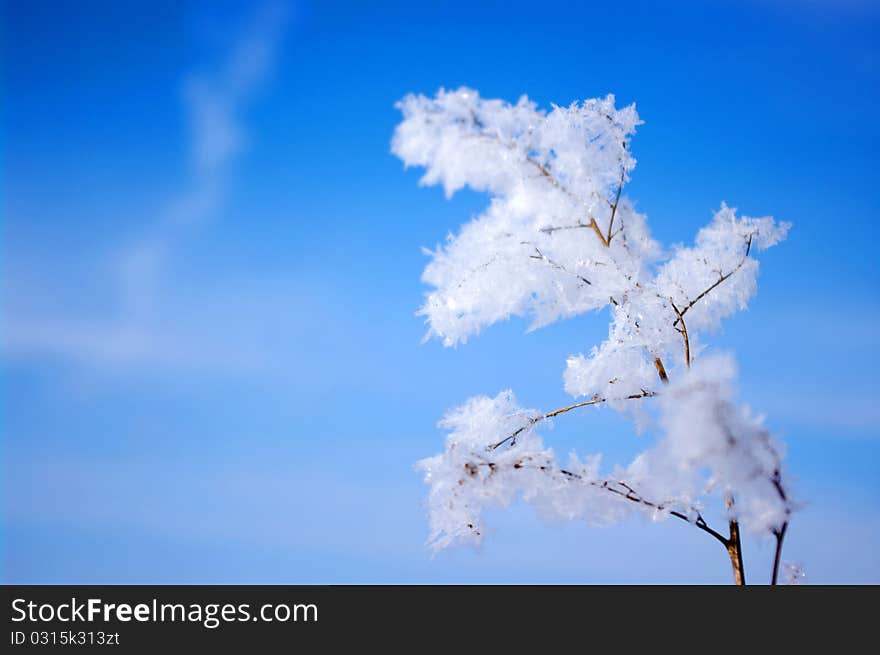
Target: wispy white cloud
135,331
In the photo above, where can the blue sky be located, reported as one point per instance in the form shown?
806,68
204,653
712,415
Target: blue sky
211,366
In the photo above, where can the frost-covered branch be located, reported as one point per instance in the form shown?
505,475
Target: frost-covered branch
541,256
562,410
556,181
721,278
626,492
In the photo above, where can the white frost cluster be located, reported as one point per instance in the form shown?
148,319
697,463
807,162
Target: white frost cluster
793,573
709,444
529,253
471,476
559,238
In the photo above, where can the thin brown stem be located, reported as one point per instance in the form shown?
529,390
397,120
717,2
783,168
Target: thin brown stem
626,492
684,334
614,206
556,412
593,224
542,257
734,548
661,370
633,497
721,279
557,228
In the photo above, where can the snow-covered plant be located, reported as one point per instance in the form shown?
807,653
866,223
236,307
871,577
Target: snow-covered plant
560,238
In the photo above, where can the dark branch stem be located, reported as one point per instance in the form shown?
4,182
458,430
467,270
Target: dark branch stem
780,535
633,497
541,256
626,492
556,412
721,279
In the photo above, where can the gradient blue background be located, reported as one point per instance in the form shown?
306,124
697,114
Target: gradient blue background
247,406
